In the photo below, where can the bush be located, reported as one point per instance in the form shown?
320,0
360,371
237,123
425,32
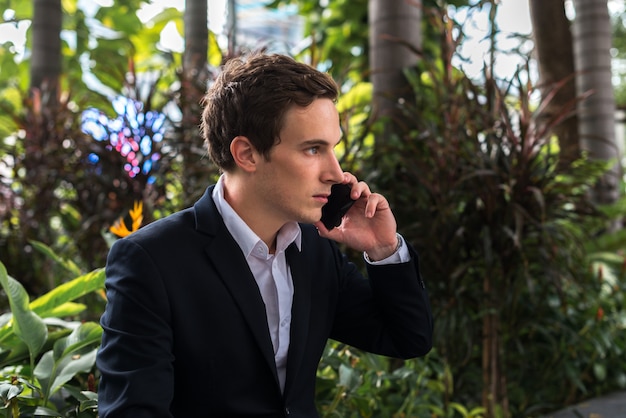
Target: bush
352,383
44,356
501,231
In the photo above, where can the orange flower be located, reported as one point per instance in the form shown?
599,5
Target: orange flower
136,214
120,229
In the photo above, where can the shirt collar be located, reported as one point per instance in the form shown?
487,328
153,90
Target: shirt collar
244,236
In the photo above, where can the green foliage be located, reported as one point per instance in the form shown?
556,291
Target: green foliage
501,233
49,190
357,142
508,243
26,325
55,192
43,356
338,32
351,383
619,48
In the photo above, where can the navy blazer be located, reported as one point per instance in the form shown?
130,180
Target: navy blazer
185,329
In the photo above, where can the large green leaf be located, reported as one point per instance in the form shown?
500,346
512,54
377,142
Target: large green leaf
67,292
88,333
66,310
53,373
16,351
42,411
27,325
13,351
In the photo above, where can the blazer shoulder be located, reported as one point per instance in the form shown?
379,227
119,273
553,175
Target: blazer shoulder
202,216
165,228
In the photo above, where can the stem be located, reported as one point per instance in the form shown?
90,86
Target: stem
15,408
336,401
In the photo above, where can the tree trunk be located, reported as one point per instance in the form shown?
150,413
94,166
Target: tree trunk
195,175
36,168
45,68
592,43
555,59
196,37
395,36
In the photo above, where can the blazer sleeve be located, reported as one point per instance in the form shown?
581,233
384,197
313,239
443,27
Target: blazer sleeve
388,313
135,358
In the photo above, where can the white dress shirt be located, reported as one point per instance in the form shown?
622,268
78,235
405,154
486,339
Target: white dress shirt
273,275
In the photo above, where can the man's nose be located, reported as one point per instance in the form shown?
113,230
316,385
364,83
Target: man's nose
334,172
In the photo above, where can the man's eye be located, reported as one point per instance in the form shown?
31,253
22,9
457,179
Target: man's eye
313,150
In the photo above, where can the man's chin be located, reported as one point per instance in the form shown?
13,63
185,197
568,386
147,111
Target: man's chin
311,219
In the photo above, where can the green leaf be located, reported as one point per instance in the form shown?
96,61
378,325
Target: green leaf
358,96
68,265
15,352
27,325
65,310
348,377
9,391
41,411
599,370
69,357
80,286
86,334
90,405
81,395
214,56
54,374
460,408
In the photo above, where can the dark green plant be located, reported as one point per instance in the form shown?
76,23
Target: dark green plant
352,383
501,232
43,355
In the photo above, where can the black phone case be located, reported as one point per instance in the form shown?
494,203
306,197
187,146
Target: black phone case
339,202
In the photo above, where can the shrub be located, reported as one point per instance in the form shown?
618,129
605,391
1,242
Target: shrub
44,356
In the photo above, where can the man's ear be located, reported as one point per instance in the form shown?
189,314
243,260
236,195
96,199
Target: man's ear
243,153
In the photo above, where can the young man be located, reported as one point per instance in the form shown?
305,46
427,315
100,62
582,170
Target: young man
224,309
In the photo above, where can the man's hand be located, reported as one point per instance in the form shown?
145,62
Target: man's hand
368,226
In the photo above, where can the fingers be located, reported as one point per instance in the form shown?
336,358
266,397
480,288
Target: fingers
359,188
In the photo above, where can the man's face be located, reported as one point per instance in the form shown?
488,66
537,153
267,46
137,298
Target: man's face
295,183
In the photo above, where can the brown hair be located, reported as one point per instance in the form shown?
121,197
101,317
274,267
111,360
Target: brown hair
250,98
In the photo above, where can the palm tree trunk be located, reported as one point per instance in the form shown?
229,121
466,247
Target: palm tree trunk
46,56
44,131
194,81
196,36
592,44
555,59
395,37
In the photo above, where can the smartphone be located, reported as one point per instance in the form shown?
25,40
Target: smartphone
339,202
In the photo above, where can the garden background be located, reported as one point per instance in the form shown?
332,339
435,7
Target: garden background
510,188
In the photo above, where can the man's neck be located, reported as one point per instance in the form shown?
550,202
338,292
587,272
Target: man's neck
250,211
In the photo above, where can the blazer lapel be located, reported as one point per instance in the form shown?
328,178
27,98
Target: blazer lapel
300,312
233,271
